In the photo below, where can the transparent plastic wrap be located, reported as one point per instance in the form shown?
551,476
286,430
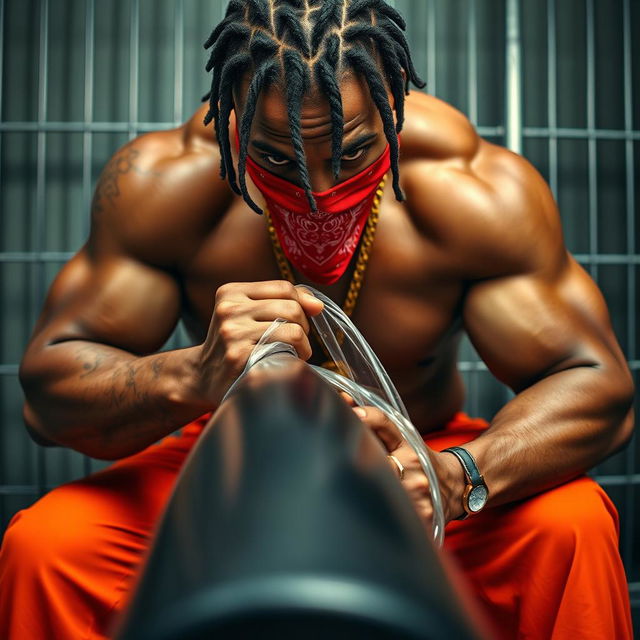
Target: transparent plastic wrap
362,377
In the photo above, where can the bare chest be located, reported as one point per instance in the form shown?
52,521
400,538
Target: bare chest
408,304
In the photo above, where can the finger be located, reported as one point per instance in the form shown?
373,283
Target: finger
347,398
289,332
425,513
311,305
415,480
396,465
278,290
289,310
416,483
267,290
422,501
382,426
271,290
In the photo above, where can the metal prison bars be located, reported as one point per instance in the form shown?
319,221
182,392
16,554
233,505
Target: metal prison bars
473,53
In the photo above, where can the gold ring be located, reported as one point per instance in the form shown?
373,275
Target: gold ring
398,464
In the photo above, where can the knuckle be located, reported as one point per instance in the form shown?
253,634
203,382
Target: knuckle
225,289
289,309
227,331
388,423
233,357
425,512
225,308
419,484
296,332
305,350
284,288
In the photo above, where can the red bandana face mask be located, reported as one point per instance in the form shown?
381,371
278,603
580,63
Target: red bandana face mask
320,244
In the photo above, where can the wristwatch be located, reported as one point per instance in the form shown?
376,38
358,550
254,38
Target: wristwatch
476,492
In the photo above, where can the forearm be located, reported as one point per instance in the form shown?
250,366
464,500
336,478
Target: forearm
554,431
106,402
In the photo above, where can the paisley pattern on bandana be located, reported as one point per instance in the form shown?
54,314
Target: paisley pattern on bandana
320,244
317,240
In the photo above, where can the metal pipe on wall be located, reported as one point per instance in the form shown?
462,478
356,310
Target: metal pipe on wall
513,82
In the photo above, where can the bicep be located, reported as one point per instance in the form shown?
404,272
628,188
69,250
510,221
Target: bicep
112,299
530,325
111,292
152,204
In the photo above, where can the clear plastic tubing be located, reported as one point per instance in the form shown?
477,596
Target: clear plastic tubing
366,381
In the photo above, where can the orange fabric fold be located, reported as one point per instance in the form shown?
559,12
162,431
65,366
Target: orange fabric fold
543,568
546,567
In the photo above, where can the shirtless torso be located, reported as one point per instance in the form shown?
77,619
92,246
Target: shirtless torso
409,308
476,246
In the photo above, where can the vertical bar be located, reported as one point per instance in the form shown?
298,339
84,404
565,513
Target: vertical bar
39,228
431,47
1,79
178,88
87,136
472,62
552,96
3,503
630,174
513,84
630,461
178,56
592,142
1,53
134,67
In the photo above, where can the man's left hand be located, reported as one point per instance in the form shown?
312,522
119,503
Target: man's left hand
446,467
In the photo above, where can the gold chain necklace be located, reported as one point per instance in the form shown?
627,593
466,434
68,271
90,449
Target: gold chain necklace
358,273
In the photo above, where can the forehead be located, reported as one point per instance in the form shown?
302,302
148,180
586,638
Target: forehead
315,115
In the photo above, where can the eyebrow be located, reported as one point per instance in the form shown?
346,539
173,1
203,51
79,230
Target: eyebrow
358,142
350,148
267,148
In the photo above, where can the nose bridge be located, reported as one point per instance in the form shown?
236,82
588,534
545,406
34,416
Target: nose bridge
320,173
321,179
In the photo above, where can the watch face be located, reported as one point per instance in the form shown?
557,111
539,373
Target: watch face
478,498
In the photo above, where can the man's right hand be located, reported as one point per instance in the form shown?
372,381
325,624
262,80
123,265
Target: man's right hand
242,312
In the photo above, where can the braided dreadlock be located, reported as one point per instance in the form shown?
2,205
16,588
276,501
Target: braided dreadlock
313,41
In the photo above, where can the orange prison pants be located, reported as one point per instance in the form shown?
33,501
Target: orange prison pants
546,567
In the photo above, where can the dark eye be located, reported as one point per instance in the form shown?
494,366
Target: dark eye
354,155
276,161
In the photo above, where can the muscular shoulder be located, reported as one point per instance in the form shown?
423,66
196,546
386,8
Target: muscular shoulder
435,130
478,201
159,193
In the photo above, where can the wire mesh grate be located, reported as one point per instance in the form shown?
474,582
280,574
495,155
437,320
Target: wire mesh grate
79,78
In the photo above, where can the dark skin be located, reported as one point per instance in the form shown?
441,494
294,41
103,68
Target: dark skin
477,246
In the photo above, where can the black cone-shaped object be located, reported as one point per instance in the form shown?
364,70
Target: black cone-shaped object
288,522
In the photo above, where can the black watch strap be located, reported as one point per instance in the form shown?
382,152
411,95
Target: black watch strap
476,492
468,463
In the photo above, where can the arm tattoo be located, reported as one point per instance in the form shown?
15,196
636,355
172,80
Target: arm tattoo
90,358
107,189
156,367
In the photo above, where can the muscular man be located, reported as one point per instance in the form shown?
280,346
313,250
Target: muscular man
307,99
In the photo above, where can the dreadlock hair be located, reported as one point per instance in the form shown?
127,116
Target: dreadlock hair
306,41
